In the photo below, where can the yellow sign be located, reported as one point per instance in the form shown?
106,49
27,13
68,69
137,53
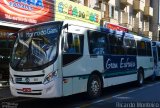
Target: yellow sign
67,10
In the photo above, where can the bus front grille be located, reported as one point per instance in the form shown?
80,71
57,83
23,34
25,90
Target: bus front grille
29,79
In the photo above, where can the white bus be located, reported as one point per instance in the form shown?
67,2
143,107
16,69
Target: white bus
62,58
156,56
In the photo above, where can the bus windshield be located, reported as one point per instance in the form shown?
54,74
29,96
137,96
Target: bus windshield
36,46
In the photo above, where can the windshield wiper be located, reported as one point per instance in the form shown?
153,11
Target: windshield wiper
26,53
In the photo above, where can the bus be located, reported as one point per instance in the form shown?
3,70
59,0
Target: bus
61,58
156,56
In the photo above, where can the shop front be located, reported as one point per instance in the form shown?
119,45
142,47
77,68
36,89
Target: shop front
17,14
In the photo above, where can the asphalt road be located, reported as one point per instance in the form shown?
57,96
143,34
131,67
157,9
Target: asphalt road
121,96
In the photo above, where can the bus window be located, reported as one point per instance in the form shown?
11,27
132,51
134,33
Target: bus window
149,52
116,45
72,45
98,43
130,46
158,47
141,48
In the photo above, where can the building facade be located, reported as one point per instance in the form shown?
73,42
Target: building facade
155,21
136,15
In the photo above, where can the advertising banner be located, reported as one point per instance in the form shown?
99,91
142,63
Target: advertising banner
66,9
119,65
115,27
26,11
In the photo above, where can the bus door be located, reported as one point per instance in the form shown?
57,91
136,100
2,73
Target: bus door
158,59
72,66
155,58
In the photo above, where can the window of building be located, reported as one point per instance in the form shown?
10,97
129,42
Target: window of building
94,4
111,11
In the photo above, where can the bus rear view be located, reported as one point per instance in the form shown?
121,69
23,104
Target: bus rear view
33,72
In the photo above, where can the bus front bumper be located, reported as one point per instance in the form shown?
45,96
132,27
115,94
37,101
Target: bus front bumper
50,90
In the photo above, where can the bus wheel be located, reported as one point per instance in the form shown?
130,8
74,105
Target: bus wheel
94,87
140,78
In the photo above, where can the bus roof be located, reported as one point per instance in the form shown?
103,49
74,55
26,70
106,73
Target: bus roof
91,26
141,38
155,43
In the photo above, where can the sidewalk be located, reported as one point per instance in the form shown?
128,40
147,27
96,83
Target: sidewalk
4,83
4,91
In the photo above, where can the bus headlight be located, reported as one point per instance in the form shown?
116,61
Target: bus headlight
11,79
50,77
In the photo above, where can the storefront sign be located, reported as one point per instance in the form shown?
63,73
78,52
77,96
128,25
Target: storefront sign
116,27
6,35
26,11
66,9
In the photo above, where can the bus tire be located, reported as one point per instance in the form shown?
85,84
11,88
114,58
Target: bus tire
94,87
140,78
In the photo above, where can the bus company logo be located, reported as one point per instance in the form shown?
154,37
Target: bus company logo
27,79
24,10
120,63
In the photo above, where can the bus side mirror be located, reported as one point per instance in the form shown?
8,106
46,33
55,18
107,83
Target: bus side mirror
65,26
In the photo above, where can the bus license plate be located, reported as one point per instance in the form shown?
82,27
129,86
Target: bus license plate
26,89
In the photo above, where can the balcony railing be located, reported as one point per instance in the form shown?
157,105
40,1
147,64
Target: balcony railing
148,11
127,2
137,23
124,18
146,26
148,34
138,5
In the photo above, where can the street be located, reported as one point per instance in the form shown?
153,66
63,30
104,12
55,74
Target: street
121,96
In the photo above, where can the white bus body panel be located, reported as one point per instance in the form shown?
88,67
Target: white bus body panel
119,80
147,64
76,73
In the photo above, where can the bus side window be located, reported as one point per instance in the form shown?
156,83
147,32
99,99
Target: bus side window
158,47
98,43
116,44
149,52
141,48
130,46
72,46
